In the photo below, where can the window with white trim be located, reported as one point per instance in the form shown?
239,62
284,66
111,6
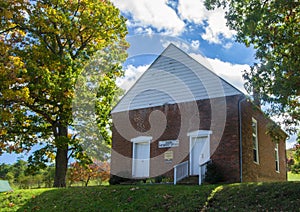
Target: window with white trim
255,141
276,158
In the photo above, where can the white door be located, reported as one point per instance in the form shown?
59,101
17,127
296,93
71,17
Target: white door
199,153
141,160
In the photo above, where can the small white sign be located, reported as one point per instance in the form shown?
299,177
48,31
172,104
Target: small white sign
168,156
168,143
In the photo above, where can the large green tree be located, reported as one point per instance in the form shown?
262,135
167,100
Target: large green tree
273,29
45,46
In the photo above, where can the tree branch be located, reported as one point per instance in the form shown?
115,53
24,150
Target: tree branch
60,46
44,39
41,112
72,151
83,45
75,13
9,29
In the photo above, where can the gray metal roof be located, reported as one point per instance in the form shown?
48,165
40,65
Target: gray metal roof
174,77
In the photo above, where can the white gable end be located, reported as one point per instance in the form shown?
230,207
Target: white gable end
174,77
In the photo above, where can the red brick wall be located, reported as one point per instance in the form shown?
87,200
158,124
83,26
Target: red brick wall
182,119
226,156
265,170
224,140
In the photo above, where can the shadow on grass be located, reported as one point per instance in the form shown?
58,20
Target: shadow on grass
279,196
125,197
232,197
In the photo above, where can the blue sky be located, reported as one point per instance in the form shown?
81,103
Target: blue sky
152,25
186,23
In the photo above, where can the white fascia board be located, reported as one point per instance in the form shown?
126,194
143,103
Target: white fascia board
141,139
199,133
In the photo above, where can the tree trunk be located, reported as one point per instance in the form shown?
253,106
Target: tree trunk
87,181
61,159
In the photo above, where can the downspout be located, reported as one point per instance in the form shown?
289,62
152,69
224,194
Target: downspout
241,143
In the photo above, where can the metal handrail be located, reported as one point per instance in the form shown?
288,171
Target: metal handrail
200,171
184,172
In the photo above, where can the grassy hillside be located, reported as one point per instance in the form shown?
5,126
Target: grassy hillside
256,197
232,197
108,198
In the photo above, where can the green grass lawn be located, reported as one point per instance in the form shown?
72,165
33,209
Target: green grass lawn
231,197
256,197
108,198
293,177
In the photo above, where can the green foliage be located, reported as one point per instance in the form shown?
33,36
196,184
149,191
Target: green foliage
21,175
297,149
158,179
272,28
45,48
39,159
4,170
97,94
275,132
48,176
296,168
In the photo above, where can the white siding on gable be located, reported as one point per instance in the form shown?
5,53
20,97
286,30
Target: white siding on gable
174,77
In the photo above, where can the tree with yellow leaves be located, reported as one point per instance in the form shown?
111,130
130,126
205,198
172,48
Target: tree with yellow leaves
45,46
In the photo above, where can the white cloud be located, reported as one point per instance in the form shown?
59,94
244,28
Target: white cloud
155,13
215,27
195,44
202,60
232,73
179,43
159,15
132,74
141,30
228,45
192,11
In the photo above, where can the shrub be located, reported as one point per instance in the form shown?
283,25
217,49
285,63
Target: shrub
158,179
213,174
290,162
296,168
117,179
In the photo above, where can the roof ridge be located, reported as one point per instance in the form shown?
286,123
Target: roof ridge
187,54
194,82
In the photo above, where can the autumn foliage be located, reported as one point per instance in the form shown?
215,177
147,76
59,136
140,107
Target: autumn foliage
46,48
98,170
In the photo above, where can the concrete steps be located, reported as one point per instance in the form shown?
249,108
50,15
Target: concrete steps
191,180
